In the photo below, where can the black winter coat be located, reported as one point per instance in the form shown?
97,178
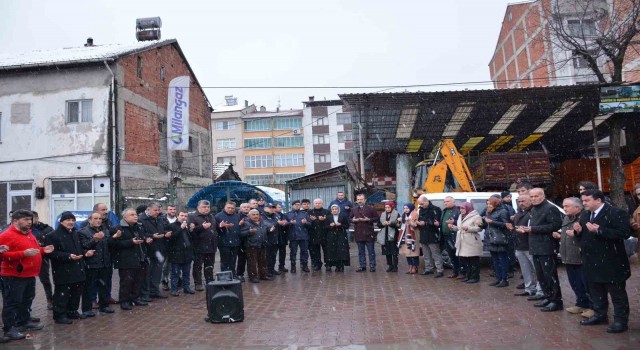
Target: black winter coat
205,240
337,243
272,237
604,257
150,226
429,233
65,243
318,230
228,237
496,233
102,256
124,253
179,246
545,220
522,239
257,238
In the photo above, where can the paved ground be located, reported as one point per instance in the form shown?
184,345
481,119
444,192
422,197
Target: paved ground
346,311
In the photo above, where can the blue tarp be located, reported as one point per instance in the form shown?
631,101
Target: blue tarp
238,192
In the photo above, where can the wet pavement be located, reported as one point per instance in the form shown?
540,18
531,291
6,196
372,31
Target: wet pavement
350,310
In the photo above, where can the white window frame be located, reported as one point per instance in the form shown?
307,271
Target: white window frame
257,143
220,125
340,118
75,196
293,123
226,143
321,139
320,121
249,125
288,159
282,178
258,161
259,179
82,118
225,160
344,136
288,140
322,157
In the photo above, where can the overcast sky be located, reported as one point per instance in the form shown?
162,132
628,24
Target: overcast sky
284,43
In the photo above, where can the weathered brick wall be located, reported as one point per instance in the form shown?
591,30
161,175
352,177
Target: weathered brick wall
141,135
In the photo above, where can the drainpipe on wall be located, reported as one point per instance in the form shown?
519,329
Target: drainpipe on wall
115,188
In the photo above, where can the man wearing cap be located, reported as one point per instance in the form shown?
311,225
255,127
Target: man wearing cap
270,218
68,266
21,257
282,238
260,205
298,223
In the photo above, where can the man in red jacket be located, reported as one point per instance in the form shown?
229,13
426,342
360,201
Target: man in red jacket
21,264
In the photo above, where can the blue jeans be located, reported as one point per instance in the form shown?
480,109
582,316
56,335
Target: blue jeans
575,274
372,254
175,275
500,265
304,251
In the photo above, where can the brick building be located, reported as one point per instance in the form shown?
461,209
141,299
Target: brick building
95,117
527,53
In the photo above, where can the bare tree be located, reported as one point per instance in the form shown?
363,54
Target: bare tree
602,34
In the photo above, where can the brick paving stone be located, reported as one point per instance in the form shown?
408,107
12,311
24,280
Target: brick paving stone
327,310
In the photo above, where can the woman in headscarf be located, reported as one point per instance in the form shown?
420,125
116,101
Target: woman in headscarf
409,238
337,243
388,224
468,242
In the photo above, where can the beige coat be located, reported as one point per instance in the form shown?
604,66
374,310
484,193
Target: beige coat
469,243
416,236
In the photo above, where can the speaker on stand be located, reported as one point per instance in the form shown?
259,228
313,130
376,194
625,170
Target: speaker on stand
225,303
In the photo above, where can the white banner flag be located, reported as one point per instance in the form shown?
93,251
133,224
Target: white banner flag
178,114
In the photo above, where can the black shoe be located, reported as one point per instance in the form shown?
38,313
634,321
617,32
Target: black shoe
522,294
594,320
552,307
536,297
189,291
14,334
89,313
268,278
293,269
240,278
520,286
472,281
158,296
373,269
255,280
199,287
617,327
75,316
495,283
394,269
275,273
283,269
145,299
30,327
510,275
502,284
542,303
34,319
140,302
165,286
305,269
125,306
327,268
426,272
63,320
361,269
175,294
438,275
107,310
389,269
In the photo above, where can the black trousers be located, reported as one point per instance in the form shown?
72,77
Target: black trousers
131,282
318,252
228,257
547,274
470,266
66,299
96,281
242,262
282,255
17,296
619,299
449,244
45,278
392,260
207,260
272,252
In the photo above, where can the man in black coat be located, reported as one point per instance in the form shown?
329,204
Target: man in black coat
68,269
318,234
269,217
180,254
129,256
429,224
604,229
282,238
154,227
202,225
545,220
228,227
99,267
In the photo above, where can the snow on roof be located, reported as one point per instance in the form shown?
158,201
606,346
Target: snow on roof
74,55
290,113
226,108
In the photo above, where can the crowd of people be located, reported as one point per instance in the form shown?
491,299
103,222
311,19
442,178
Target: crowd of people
156,251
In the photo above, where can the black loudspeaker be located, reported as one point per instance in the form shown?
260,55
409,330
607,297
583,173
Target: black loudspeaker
225,303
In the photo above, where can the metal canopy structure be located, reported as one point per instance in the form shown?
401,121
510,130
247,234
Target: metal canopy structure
555,119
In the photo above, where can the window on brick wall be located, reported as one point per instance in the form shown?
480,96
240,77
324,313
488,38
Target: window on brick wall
162,73
79,111
581,62
139,67
582,27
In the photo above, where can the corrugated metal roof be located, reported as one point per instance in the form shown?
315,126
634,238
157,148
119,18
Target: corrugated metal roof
75,55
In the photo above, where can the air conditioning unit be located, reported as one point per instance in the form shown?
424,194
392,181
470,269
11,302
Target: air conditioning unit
296,131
